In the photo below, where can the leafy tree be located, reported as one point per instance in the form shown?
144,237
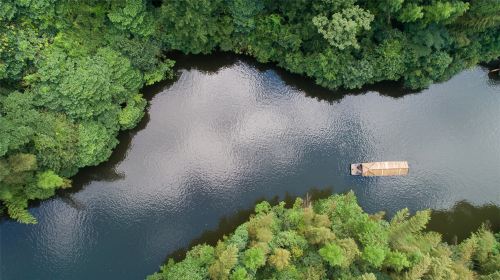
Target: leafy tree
280,258
332,253
482,15
340,31
262,208
254,258
226,259
244,13
397,261
239,273
410,12
374,255
132,15
196,25
444,11
56,142
49,180
19,44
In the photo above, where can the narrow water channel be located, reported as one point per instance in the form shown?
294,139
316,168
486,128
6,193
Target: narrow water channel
229,132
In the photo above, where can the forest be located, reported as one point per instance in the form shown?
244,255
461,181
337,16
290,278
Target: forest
71,72
334,239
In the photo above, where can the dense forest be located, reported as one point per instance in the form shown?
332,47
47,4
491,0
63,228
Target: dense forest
335,239
71,71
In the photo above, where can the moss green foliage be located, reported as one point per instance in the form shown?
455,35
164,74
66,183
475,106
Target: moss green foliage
71,71
359,246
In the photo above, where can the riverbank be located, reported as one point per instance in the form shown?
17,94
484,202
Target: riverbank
334,238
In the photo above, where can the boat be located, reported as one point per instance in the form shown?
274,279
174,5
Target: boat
381,168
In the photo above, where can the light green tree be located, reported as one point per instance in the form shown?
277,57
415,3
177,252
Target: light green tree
342,28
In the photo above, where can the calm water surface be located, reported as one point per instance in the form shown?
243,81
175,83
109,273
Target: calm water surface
229,132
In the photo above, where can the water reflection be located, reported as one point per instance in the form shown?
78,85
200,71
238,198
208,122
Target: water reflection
228,224
228,132
212,64
206,64
494,77
457,223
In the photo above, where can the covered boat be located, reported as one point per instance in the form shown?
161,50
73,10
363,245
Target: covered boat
382,168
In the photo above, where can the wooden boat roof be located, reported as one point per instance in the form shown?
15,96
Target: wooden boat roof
385,165
385,168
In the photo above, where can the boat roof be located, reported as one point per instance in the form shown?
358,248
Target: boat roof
385,165
385,168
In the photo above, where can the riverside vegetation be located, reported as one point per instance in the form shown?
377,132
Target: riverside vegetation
71,71
335,239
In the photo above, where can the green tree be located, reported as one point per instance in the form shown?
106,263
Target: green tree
482,15
226,259
333,254
280,258
341,30
374,255
397,261
410,12
132,15
49,180
239,273
254,258
196,23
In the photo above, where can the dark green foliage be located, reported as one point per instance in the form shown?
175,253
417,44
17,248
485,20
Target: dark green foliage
360,246
193,26
343,43
132,16
71,71
483,14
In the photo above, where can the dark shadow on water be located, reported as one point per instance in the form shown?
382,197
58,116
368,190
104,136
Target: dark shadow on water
228,224
106,171
464,218
394,89
494,76
455,224
213,63
493,68
207,64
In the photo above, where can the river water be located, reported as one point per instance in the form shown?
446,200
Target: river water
229,132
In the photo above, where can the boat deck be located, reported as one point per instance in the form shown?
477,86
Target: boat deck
383,168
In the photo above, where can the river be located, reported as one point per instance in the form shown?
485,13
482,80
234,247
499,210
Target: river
228,132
